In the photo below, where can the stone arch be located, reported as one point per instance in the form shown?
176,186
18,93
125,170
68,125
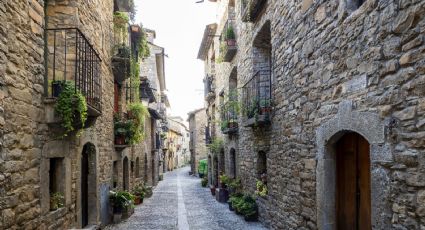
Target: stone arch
372,128
221,162
145,168
215,171
137,167
88,185
261,164
232,166
125,174
210,170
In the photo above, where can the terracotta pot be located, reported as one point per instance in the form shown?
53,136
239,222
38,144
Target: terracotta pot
119,140
137,200
231,42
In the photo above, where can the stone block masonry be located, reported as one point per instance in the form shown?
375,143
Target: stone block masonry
337,67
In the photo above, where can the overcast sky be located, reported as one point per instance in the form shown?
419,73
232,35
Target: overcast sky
179,26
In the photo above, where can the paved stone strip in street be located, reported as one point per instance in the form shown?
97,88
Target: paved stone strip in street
179,202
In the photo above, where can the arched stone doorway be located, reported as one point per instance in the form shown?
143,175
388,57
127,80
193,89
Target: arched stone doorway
222,163
88,185
145,168
352,198
365,133
215,173
137,167
125,174
210,170
233,162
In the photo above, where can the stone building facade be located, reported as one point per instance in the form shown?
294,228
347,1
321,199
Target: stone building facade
332,97
43,42
177,154
197,130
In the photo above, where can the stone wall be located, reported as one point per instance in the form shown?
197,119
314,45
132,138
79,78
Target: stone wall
334,67
198,151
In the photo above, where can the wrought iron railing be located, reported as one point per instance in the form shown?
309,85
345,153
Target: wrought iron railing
229,116
256,95
71,57
208,139
208,85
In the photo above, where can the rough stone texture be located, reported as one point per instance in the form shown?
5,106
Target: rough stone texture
30,132
324,53
198,151
165,210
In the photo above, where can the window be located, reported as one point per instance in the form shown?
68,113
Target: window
56,185
262,166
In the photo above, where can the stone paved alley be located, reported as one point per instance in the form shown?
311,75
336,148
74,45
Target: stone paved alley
179,202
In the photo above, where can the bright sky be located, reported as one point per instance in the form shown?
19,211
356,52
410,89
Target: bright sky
179,26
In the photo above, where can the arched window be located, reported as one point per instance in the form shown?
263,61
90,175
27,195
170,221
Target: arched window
137,167
262,166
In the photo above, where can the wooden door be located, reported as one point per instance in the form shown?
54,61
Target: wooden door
84,189
353,205
125,174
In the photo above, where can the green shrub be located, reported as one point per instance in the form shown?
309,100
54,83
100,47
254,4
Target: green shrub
72,108
204,182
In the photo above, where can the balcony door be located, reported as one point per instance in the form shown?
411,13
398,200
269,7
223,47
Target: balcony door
353,199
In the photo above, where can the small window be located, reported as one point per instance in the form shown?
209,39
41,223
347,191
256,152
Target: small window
262,166
56,185
115,174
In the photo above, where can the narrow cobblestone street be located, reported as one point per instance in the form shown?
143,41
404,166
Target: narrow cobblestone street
179,202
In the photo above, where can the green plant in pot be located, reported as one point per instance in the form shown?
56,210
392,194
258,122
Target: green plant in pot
71,106
230,36
56,200
224,125
261,189
139,194
234,200
224,180
204,182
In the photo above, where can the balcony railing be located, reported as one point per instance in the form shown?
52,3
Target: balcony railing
209,87
251,9
229,117
256,99
228,45
71,57
208,139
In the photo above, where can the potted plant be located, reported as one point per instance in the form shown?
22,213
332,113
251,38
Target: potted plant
224,125
204,182
261,189
230,36
233,200
265,106
56,201
246,206
139,194
235,186
212,189
71,106
121,132
119,201
224,180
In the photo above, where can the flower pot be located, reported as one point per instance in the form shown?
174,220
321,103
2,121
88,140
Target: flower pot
251,217
212,190
117,218
56,88
137,200
119,140
230,206
231,42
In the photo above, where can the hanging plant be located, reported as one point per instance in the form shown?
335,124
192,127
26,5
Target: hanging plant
138,114
142,45
72,108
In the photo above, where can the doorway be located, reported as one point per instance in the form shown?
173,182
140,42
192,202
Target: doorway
353,186
88,177
125,174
